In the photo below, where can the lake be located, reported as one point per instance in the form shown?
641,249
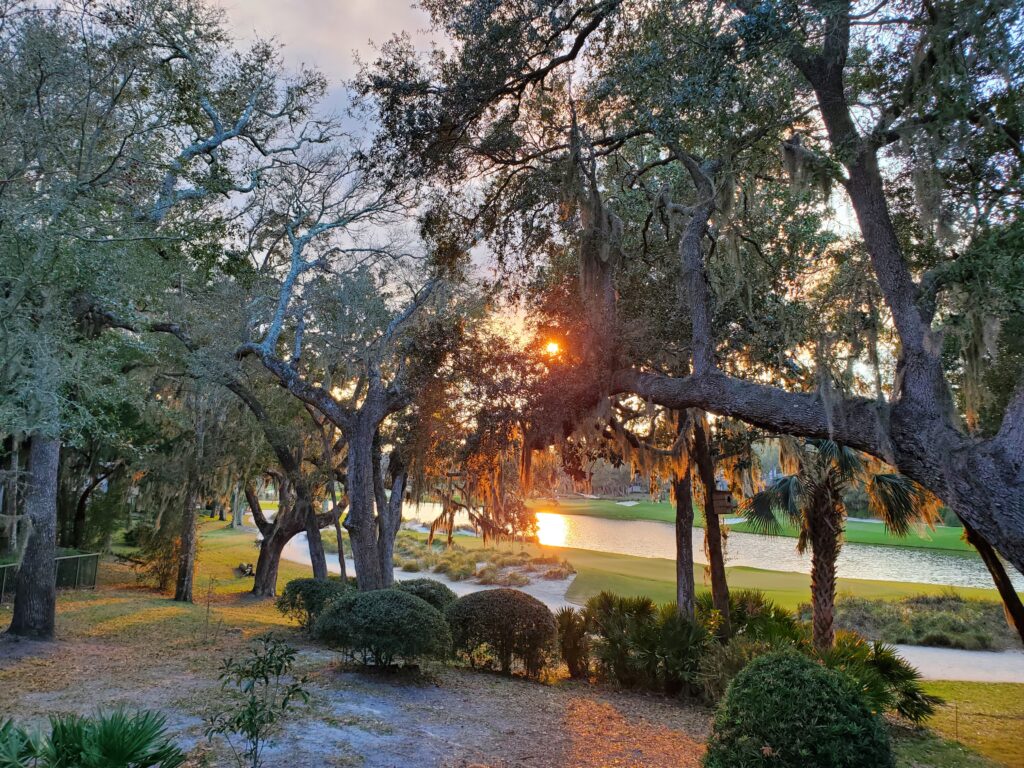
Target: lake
647,538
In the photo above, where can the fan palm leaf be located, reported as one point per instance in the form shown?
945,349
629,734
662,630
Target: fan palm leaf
893,498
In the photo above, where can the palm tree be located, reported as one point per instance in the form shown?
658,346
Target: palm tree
811,498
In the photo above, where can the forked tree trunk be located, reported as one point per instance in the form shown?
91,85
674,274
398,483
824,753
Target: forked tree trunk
712,529
683,492
1012,606
390,520
183,586
35,597
317,556
269,562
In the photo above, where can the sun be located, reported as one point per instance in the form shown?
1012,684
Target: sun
552,348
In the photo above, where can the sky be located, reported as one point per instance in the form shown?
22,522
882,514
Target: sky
325,34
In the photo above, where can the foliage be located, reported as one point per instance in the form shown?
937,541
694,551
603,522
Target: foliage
573,641
114,740
765,719
887,681
384,626
430,590
502,626
262,695
721,662
640,645
947,620
751,614
305,599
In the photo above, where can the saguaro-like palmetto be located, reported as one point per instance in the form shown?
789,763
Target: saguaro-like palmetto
811,498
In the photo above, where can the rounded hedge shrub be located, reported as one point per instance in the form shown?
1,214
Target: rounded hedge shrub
305,599
431,590
785,711
501,626
382,627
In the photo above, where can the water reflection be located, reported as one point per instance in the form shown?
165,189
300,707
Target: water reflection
648,538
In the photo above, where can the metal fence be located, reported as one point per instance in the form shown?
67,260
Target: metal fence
73,572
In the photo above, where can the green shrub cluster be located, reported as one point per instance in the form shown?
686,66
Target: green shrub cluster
500,627
384,627
305,599
574,641
114,740
639,645
431,590
785,711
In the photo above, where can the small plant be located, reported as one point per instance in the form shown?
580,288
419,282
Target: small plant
261,695
382,627
115,740
305,599
501,626
785,711
573,641
431,590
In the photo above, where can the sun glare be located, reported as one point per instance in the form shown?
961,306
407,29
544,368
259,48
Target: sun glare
551,529
552,348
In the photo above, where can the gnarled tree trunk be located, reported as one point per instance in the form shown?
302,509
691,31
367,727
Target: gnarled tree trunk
360,523
683,492
712,529
183,586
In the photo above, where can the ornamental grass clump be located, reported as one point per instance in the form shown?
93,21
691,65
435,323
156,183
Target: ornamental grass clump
499,627
786,711
384,627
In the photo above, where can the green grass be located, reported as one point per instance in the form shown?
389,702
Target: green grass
942,537
987,717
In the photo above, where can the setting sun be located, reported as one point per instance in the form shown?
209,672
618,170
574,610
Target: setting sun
551,529
552,348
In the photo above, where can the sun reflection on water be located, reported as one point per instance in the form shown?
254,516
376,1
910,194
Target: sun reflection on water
551,529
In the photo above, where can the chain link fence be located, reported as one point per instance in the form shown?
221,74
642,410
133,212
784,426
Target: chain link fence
73,572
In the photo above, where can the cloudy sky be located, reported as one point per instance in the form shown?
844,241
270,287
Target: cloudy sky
325,34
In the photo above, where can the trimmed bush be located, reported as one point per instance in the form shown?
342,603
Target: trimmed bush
305,599
574,641
383,627
431,590
785,711
499,626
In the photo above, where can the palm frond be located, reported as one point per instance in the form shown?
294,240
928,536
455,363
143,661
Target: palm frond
894,499
780,498
846,460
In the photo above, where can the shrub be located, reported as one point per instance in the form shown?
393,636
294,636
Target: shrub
305,599
573,641
261,696
751,613
886,679
766,719
502,625
721,662
384,626
411,566
640,645
114,740
431,590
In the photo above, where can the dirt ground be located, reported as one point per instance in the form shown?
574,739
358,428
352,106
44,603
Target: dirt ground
122,645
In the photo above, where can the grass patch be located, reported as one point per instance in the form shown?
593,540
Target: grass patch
987,717
945,538
946,620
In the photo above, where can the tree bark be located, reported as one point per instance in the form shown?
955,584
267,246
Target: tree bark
685,588
317,556
826,530
360,523
712,526
1012,605
269,562
390,520
183,587
35,597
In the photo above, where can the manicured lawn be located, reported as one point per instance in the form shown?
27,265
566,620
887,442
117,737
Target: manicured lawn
988,717
942,537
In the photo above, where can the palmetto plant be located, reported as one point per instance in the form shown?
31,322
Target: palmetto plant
810,497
